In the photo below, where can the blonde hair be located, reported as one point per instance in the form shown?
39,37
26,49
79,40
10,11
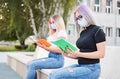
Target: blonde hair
60,23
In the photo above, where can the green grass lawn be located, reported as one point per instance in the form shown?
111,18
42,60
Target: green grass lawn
7,48
4,48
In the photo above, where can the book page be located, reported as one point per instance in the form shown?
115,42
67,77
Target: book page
63,44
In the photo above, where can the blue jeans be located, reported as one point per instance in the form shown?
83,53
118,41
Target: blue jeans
91,71
54,60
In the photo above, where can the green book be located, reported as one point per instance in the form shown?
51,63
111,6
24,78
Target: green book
63,44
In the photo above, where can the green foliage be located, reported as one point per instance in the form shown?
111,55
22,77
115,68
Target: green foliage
16,16
7,48
3,48
31,47
16,19
68,6
50,6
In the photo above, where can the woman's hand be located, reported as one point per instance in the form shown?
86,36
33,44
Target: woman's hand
52,48
75,54
42,46
71,54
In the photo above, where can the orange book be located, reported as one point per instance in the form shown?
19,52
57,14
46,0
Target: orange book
43,41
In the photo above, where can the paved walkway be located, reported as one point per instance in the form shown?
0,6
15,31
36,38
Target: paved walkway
5,71
3,58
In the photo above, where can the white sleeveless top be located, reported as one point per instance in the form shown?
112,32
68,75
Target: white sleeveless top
53,37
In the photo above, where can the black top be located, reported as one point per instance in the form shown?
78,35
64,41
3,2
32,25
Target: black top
87,42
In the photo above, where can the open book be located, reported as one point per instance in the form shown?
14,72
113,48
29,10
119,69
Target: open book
64,45
43,41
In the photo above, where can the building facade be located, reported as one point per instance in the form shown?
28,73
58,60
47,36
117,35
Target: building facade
107,15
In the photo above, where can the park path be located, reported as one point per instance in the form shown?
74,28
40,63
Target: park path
5,71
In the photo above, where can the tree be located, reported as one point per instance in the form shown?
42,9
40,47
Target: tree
15,21
43,9
20,15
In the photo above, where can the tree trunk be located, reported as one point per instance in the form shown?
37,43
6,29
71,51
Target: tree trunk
43,32
33,23
21,41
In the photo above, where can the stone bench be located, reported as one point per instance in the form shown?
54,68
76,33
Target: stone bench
109,64
18,62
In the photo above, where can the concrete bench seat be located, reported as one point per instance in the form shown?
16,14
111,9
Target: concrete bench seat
21,57
110,65
18,62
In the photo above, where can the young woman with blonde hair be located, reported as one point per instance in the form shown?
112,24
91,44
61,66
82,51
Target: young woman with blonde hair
91,45
55,59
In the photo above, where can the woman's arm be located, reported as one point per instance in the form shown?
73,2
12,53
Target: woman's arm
92,55
52,48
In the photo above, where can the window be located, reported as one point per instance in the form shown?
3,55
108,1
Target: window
109,31
87,2
97,6
118,32
108,6
71,30
96,1
118,7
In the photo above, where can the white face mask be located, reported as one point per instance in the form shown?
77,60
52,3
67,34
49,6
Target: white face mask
82,22
53,26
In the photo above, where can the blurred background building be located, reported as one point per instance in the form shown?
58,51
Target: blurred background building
106,14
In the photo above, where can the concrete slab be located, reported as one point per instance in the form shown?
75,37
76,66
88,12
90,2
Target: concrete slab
7,73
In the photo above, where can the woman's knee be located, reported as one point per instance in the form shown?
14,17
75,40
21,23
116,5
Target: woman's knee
31,66
55,75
